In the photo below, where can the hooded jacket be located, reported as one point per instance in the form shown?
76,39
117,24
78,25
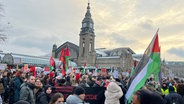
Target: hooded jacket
113,93
74,99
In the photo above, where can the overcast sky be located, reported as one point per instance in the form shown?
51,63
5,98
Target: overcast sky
33,26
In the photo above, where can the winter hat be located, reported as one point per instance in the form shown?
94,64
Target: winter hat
79,90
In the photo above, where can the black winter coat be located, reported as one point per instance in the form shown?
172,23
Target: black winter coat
42,97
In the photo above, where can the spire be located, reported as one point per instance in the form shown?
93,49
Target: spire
87,23
88,14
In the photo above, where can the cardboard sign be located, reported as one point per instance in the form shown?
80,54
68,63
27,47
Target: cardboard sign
3,66
25,67
104,71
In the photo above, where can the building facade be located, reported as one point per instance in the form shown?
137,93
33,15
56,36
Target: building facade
86,54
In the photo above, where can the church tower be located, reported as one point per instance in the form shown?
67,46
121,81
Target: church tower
87,54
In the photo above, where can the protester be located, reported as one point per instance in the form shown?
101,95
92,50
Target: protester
15,84
68,81
45,80
173,97
180,89
58,98
122,99
26,92
78,96
40,95
42,92
84,81
113,93
6,81
47,92
99,82
144,96
90,82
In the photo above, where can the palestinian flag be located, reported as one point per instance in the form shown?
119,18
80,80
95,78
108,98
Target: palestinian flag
51,68
67,55
84,69
63,62
61,58
52,63
149,64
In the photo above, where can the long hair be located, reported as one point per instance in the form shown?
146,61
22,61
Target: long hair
56,97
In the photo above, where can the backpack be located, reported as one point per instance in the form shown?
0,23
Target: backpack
174,100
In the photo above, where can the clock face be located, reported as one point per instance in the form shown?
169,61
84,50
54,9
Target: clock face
84,25
91,25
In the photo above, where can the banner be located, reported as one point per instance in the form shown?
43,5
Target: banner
94,95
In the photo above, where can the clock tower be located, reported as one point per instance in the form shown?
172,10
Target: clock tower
87,54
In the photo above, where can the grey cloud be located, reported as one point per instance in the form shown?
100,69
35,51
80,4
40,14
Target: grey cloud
174,29
176,51
119,39
152,7
147,24
39,24
31,41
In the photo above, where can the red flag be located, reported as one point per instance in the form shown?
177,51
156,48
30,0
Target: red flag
156,47
33,70
61,58
67,52
52,62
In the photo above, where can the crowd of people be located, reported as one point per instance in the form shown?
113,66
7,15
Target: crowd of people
18,87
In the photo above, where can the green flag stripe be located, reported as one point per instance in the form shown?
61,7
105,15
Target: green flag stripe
67,62
152,65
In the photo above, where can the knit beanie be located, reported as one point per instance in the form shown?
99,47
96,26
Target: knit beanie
79,90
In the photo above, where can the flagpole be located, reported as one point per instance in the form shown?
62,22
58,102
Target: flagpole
157,30
150,62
